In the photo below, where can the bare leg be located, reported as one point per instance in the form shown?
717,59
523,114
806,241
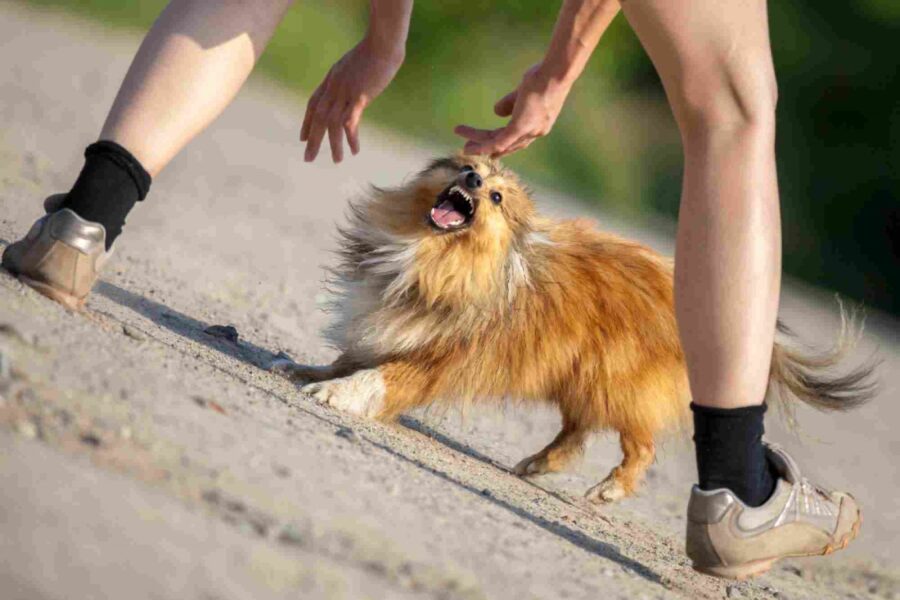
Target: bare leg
715,62
638,452
189,67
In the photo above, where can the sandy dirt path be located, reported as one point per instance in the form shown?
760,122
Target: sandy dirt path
143,458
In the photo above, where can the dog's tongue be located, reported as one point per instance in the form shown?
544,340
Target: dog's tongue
445,215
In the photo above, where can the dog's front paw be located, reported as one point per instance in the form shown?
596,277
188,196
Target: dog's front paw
607,491
361,394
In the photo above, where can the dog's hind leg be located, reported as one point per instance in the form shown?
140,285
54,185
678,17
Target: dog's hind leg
565,447
638,451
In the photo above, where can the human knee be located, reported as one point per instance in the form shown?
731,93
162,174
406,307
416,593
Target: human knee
726,98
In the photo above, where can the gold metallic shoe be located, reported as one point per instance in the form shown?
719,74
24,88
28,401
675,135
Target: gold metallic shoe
61,256
726,538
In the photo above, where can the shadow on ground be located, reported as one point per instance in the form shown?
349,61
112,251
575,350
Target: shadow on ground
185,326
575,537
249,353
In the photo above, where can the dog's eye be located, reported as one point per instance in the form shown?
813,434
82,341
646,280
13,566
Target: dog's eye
467,168
496,197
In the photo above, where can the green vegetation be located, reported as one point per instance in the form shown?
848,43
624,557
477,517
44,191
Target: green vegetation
616,144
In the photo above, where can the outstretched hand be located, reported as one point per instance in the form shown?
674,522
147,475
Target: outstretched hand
533,107
338,103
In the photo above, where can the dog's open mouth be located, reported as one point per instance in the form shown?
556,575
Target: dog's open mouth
453,210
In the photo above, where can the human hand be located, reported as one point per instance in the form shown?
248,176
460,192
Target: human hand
338,103
533,106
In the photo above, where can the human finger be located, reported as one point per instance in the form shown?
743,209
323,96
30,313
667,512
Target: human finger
500,140
504,106
521,144
335,132
351,125
311,108
317,129
474,135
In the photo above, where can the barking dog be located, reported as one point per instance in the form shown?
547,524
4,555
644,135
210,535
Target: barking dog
453,289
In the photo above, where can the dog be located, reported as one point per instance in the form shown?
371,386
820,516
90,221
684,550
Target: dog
453,289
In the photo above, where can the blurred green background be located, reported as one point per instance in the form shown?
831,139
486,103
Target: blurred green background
616,143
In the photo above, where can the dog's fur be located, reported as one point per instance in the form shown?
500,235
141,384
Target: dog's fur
513,305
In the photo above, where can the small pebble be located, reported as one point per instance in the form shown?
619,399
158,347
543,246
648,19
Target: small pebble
249,528
133,333
27,429
11,331
210,404
90,439
794,569
291,535
216,407
5,366
227,332
347,434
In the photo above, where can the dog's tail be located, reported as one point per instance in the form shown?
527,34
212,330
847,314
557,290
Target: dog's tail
810,378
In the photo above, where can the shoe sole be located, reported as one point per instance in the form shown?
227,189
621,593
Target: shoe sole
71,302
758,567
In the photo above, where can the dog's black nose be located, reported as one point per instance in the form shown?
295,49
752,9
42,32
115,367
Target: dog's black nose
473,180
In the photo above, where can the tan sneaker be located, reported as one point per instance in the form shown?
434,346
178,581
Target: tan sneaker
726,538
61,255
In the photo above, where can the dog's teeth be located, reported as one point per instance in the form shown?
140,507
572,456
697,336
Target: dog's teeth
466,196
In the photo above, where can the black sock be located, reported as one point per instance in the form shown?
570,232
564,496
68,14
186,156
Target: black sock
730,453
109,185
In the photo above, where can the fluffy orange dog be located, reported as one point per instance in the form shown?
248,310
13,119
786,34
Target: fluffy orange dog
453,289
